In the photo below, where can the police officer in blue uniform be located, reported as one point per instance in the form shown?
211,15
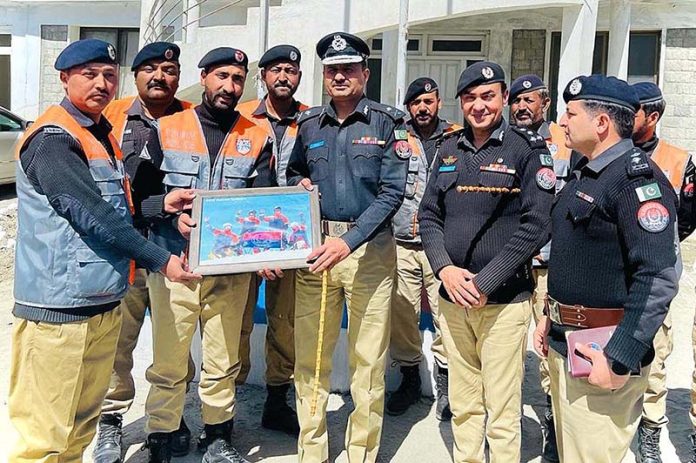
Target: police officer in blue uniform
612,264
355,151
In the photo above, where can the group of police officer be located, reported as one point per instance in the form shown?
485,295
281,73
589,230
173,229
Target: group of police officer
460,216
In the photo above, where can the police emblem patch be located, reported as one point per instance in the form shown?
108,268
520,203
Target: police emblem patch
339,43
527,84
239,56
487,72
575,87
402,150
243,146
112,51
689,190
546,178
653,217
427,86
169,53
293,55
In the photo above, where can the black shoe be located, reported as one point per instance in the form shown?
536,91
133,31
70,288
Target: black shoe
277,414
204,441
550,452
442,409
159,447
181,440
221,451
108,446
648,444
693,448
409,392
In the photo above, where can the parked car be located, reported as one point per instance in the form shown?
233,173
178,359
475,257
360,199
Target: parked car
12,128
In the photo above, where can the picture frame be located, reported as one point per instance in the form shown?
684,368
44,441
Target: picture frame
248,229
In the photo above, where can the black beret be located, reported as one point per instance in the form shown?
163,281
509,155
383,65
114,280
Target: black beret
524,84
602,88
156,50
224,55
341,47
647,92
85,51
280,52
418,87
480,73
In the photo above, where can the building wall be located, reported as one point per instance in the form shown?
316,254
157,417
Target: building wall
53,40
528,52
678,87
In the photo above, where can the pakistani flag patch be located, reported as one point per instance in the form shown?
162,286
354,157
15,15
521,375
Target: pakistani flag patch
546,160
648,192
400,134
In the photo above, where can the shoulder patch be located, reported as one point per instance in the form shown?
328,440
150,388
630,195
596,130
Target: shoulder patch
401,134
309,113
390,111
535,140
638,164
648,192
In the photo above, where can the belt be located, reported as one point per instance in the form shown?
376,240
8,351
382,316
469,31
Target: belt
335,229
580,316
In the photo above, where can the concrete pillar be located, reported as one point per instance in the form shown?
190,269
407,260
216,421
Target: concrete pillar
577,45
146,21
402,52
192,13
619,35
390,55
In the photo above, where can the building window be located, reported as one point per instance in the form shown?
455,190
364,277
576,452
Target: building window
5,77
456,44
125,40
377,43
644,57
374,83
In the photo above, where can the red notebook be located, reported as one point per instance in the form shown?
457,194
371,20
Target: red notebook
596,337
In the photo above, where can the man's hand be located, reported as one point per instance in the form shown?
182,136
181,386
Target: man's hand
185,224
307,184
327,255
460,287
541,336
177,271
601,374
178,201
270,274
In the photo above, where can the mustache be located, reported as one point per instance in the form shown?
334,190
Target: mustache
283,85
157,84
523,112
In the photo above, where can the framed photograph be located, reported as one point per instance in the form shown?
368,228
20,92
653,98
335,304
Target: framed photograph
247,229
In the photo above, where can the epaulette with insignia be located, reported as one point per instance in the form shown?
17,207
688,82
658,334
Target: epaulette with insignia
390,111
52,130
638,164
534,139
309,114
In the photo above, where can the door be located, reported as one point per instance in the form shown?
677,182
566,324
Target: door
446,73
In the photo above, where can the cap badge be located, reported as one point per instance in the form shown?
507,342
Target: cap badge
427,86
239,56
527,84
575,87
293,55
112,51
339,43
487,72
169,53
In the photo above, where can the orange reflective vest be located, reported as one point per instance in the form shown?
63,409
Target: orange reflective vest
672,161
281,149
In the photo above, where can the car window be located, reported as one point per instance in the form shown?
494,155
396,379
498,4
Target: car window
9,125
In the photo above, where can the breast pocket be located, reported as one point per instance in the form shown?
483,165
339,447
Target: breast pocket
318,163
412,177
237,172
446,181
110,184
367,162
580,211
180,171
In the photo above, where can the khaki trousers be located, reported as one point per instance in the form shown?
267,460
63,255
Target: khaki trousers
413,273
121,393
593,425
364,281
541,277
58,378
655,398
486,349
280,329
217,303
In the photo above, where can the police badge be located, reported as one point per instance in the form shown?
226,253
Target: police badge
239,56
243,146
527,84
339,43
487,72
293,55
575,87
169,53
402,149
427,87
112,51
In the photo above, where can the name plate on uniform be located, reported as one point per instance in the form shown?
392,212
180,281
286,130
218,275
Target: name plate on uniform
248,229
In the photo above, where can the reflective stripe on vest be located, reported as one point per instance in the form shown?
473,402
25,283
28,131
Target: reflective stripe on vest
672,161
186,163
281,154
56,267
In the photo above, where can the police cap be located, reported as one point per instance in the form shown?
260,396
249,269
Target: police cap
278,53
164,51
85,51
224,55
602,88
480,73
647,92
418,87
341,47
524,84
